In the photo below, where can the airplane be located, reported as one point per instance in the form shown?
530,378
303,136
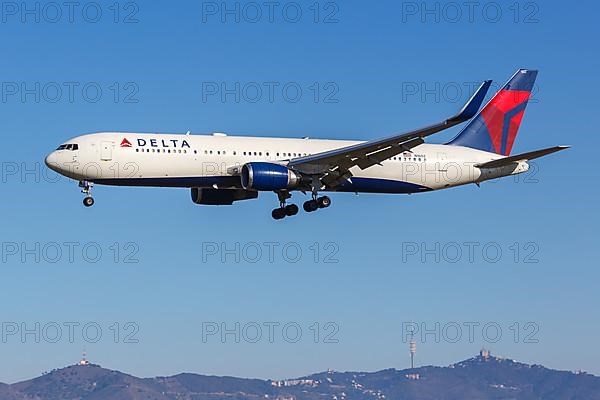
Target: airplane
222,170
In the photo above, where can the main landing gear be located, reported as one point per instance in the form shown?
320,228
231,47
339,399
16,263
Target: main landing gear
292,209
284,210
86,188
316,203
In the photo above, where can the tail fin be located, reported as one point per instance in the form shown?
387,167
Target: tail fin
495,128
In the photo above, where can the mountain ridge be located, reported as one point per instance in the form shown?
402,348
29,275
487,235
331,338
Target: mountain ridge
482,377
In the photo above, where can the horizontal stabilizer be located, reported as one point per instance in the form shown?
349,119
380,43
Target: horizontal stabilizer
521,157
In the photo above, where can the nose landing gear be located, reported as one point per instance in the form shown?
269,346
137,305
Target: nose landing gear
86,188
88,201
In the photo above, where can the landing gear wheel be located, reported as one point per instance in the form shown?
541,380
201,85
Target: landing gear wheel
88,201
86,189
278,213
291,210
324,202
310,206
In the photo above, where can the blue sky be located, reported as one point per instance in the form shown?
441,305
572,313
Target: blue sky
366,61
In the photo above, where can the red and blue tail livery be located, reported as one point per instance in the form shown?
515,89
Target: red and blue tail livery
495,128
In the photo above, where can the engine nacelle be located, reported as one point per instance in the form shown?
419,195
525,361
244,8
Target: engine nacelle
268,176
221,197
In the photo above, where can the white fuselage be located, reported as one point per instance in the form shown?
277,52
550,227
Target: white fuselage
214,161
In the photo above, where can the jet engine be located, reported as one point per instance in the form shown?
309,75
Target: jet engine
221,197
269,176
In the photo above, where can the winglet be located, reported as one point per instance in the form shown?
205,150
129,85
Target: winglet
472,107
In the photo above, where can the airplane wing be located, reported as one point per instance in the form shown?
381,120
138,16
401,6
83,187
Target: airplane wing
501,162
333,167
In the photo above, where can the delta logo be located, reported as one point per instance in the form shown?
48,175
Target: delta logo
166,143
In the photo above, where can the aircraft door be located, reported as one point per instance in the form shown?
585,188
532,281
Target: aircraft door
106,151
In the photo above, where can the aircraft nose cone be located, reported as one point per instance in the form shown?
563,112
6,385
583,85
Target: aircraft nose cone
52,161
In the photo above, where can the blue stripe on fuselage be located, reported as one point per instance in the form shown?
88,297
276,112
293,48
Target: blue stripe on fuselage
182,182
363,185
375,185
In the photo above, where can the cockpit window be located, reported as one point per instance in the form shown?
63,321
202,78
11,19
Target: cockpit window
68,147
